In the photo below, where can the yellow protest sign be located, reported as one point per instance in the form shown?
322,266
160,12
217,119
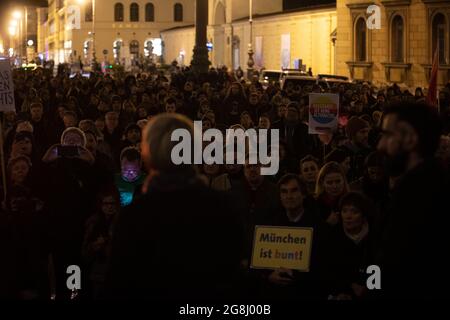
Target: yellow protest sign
282,247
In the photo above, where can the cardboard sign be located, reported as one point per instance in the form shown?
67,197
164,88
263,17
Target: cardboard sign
323,112
6,87
282,247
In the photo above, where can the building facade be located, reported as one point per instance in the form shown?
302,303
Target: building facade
125,30
279,38
400,48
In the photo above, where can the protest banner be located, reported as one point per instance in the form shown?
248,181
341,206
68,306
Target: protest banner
7,103
282,247
6,86
323,112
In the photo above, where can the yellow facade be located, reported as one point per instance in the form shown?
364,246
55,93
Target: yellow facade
307,34
418,33
61,43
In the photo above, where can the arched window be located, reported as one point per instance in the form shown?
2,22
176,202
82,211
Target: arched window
134,12
397,39
88,12
178,12
149,12
361,40
118,12
439,37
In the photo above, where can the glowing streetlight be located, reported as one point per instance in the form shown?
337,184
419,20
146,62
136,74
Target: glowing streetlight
12,31
17,15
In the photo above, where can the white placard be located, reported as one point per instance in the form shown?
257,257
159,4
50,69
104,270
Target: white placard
6,86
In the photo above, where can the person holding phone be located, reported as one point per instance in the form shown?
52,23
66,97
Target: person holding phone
71,181
73,145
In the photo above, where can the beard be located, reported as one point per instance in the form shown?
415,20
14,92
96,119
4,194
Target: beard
396,165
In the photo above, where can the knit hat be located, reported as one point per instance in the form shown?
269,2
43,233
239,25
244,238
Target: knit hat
354,125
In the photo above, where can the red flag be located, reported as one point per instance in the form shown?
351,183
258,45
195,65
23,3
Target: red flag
432,87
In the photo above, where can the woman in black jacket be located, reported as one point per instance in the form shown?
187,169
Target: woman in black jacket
348,249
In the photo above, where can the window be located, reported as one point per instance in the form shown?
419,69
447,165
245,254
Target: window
397,39
149,12
134,47
361,40
88,14
178,12
118,12
439,37
134,12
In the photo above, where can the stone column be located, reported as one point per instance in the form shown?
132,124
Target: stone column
200,62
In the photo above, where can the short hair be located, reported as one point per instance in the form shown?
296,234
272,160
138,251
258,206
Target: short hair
293,177
171,101
309,158
130,154
359,200
36,105
91,133
70,113
425,121
76,131
14,160
157,136
111,113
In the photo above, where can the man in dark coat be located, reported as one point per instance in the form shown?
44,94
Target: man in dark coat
414,263
178,240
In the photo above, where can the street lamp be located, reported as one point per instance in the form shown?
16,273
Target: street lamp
94,58
250,62
12,31
17,15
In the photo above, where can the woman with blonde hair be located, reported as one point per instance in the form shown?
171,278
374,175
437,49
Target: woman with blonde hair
331,185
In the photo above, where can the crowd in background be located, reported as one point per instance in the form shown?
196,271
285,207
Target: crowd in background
61,203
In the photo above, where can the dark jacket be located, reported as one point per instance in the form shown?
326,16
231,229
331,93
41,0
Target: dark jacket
415,238
345,262
306,285
255,207
178,240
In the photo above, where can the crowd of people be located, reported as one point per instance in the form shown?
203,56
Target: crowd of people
88,183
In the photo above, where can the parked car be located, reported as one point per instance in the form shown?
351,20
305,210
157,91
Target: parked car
302,81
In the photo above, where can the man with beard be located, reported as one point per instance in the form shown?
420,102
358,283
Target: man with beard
413,262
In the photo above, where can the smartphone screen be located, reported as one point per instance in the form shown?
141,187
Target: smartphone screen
68,151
